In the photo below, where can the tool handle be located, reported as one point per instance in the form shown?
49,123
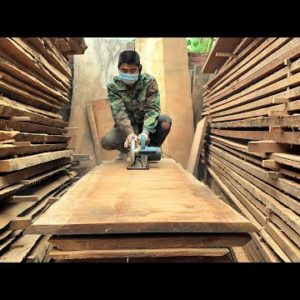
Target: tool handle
143,141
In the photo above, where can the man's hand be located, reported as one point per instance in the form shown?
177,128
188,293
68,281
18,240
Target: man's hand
129,138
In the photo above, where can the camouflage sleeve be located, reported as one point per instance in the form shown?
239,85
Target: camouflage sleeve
118,110
152,109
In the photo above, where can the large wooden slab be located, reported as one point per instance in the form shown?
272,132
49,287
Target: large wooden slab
214,62
167,60
111,199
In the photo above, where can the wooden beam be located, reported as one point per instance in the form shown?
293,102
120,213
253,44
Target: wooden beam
266,147
192,166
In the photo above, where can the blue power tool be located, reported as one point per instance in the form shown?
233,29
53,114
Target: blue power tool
140,154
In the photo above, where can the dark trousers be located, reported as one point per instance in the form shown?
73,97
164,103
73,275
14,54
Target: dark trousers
115,138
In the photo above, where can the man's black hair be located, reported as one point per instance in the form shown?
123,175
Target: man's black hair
129,57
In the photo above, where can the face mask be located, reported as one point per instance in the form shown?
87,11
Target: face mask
129,78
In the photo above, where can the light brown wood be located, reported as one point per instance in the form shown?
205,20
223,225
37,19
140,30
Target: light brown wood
8,165
266,147
150,241
197,147
111,202
93,127
20,249
127,254
104,123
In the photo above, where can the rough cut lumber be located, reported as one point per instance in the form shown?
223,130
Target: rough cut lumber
17,176
29,127
197,147
26,183
280,137
10,108
110,186
93,127
250,172
14,164
26,55
39,251
8,150
286,159
266,147
20,249
225,45
51,53
137,253
20,71
150,241
101,111
7,135
287,121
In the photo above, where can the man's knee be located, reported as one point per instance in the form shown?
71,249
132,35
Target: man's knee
107,143
165,121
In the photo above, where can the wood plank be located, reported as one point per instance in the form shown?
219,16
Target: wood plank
101,111
9,165
93,127
20,249
241,56
33,91
285,244
11,66
23,185
266,146
284,213
7,135
107,254
292,234
112,182
263,88
17,176
29,127
233,198
39,251
222,44
51,53
268,254
282,108
287,121
150,241
39,138
286,159
27,98
240,255
26,55
263,136
192,166
267,64
10,108
8,150
263,233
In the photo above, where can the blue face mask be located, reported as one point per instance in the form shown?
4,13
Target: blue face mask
129,78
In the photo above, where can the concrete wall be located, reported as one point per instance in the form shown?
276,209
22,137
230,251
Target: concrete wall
92,72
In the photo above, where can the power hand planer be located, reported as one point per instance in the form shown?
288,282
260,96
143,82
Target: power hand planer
140,154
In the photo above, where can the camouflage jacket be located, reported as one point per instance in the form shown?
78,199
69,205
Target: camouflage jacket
139,106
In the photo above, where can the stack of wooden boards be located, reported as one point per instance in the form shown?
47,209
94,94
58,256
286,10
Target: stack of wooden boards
35,164
161,214
252,147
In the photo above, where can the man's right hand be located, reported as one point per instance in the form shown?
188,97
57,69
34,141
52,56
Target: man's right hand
129,138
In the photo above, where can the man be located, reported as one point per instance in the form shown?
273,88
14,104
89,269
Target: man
135,104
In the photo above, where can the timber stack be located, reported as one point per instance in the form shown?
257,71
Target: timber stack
252,103
36,164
